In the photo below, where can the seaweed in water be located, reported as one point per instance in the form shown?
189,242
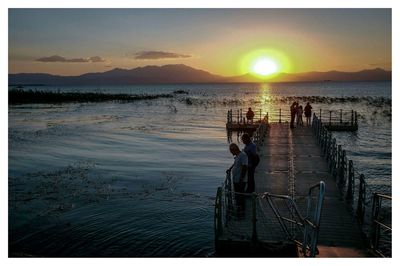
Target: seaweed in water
19,96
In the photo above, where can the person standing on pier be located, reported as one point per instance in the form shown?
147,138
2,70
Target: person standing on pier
300,115
293,111
250,115
251,151
307,113
239,170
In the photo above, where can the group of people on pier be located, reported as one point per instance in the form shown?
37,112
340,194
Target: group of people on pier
296,114
246,161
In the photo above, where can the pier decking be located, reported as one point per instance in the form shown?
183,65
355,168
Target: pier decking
292,161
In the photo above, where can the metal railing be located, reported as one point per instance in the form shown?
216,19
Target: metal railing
308,226
300,229
239,117
352,184
329,117
381,227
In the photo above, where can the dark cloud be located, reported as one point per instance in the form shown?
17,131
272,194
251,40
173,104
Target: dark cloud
156,55
96,59
61,59
53,58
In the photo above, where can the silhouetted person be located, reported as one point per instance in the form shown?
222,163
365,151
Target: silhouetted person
293,111
251,151
250,115
239,178
307,113
300,115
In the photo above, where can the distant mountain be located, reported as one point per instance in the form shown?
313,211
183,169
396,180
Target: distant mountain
185,74
377,74
118,76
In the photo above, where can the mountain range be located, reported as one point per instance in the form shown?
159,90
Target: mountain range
185,74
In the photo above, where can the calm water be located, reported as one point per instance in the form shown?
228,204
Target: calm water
139,179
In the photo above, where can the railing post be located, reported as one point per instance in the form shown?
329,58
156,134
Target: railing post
374,231
241,116
280,115
341,174
254,215
350,185
330,117
361,201
260,115
238,121
320,114
218,214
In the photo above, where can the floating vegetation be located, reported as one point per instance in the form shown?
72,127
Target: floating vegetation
61,190
372,101
181,92
19,96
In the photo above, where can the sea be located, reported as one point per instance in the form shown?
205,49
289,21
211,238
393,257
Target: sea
139,179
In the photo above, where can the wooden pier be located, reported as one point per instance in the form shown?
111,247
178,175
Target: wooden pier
292,161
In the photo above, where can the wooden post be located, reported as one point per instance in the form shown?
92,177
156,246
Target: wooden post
280,115
241,116
320,114
254,216
238,117
330,117
260,115
340,116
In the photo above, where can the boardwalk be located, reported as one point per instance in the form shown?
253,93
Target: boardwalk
291,162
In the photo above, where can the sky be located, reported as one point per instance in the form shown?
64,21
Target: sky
221,41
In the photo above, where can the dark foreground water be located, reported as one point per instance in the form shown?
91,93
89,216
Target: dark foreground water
139,179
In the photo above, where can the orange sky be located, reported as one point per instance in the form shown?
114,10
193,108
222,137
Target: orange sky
76,41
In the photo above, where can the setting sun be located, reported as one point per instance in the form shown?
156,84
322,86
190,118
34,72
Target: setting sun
264,66
265,63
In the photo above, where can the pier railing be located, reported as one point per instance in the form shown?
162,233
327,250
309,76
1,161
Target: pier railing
333,119
381,226
353,187
239,117
264,209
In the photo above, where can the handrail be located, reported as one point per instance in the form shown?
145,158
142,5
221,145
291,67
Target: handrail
378,227
346,176
340,116
308,225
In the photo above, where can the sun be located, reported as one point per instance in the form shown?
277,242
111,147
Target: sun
264,67
265,63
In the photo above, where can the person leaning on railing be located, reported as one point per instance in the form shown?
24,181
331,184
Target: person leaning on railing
251,150
239,176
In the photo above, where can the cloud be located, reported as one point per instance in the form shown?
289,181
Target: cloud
61,59
156,55
96,59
